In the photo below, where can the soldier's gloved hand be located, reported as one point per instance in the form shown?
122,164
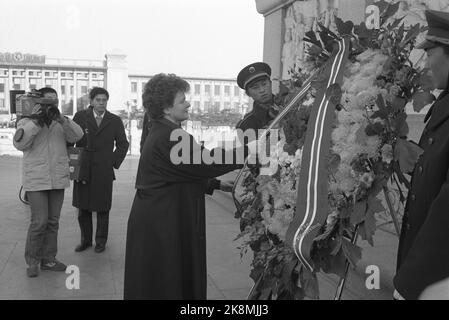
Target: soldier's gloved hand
274,111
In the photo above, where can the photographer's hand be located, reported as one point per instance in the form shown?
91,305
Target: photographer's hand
37,115
53,114
61,119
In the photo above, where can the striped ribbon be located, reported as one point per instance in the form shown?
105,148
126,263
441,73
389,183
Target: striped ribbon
312,200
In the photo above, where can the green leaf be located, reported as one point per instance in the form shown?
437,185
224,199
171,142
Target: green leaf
334,94
352,252
338,264
336,246
310,36
309,283
375,205
374,129
411,34
401,30
344,28
422,99
407,153
383,5
400,175
387,67
286,277
367,236
398,104
378,184
400,125
390,11
299,294
358,214
403,130
425,80
370,226
382,114
395,23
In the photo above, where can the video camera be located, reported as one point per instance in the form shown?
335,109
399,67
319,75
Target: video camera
23,104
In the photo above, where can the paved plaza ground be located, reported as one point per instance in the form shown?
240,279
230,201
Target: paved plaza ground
102,274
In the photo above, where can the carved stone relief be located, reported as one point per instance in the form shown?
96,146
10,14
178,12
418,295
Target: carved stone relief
303,15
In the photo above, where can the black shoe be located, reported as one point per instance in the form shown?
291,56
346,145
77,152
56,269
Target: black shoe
82,247
53,266
33,271
99,248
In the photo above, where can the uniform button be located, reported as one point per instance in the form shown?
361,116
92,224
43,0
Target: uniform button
407,226
412,197
431,141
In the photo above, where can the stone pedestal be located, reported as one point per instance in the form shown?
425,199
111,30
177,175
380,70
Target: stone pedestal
286,23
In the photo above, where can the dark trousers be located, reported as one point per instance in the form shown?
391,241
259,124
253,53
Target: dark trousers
42,237
85,221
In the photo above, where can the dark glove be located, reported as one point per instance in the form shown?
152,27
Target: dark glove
53,113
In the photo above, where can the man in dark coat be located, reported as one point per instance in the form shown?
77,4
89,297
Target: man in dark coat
102,130
423,256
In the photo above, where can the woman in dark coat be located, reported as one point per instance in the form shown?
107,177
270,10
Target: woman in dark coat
166,243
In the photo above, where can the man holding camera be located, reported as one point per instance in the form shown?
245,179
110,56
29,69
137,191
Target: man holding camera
106,145
43,138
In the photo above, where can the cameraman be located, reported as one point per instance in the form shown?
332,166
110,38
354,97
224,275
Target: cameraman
42,137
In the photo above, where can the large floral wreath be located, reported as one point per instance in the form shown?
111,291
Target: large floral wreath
369,153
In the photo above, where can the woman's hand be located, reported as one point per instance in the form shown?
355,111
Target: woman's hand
226,186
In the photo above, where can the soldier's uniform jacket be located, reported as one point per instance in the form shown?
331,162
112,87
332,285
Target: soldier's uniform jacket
423,256
257,118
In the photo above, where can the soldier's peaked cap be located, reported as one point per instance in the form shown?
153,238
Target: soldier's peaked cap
252,72
438,32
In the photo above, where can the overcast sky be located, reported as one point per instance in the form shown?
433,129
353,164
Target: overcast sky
205,38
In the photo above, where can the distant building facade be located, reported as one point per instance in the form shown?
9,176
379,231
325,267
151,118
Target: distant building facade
73,78
207,95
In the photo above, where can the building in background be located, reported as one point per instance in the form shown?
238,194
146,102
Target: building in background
73,78
207,95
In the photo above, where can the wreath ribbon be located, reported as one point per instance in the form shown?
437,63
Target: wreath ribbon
312,186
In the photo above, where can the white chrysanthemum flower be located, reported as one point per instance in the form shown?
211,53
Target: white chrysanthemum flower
387,153
308,102
367,179
332,217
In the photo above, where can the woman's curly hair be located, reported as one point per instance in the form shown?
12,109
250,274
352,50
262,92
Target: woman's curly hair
160,93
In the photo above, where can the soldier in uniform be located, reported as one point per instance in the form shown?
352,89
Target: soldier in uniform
423,254
255,80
